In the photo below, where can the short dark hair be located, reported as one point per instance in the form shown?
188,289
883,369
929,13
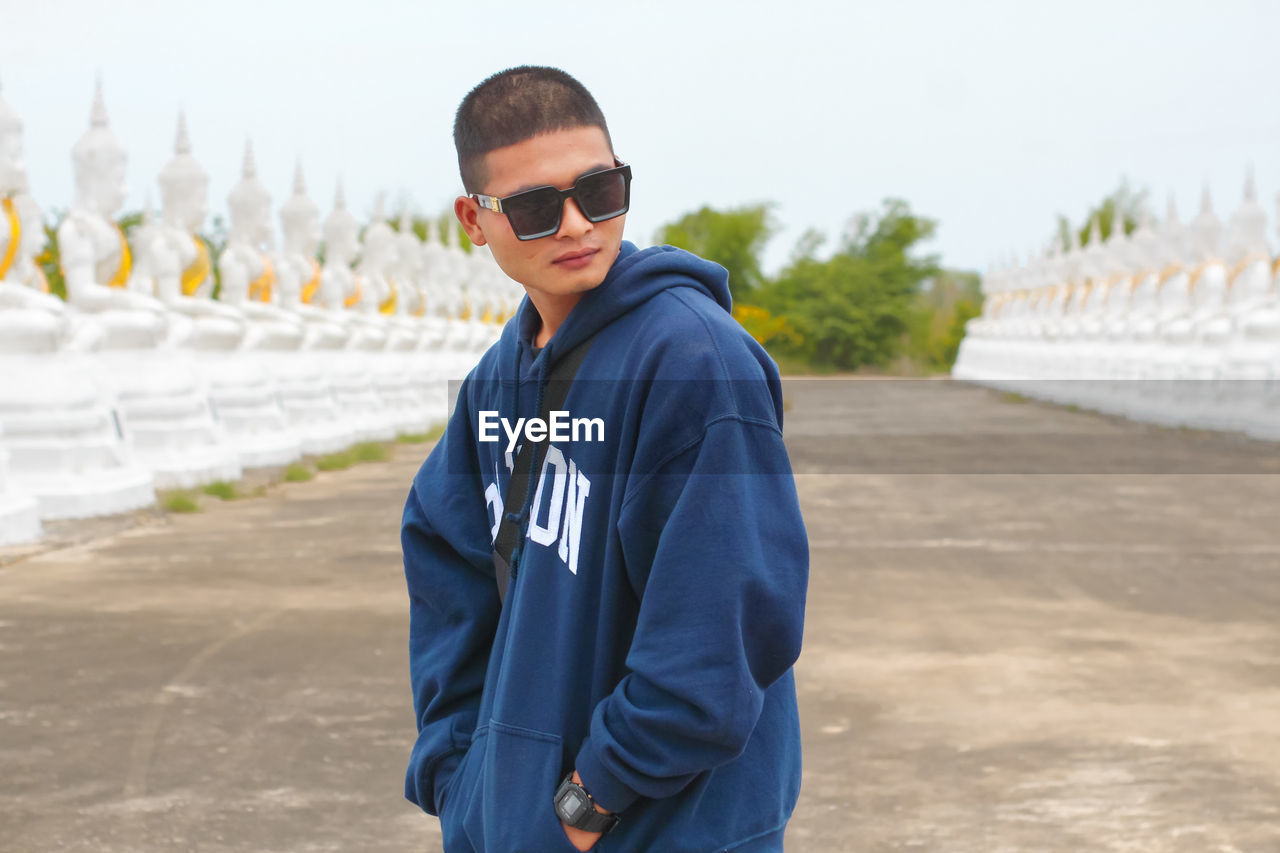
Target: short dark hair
514,105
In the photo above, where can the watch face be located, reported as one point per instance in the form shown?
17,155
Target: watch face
572,805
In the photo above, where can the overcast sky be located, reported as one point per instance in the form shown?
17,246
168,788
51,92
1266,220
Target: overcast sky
990,117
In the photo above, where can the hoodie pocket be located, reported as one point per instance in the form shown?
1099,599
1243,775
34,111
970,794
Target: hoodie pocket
459,792
511,809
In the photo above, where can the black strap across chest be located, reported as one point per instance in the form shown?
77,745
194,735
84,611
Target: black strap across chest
511,530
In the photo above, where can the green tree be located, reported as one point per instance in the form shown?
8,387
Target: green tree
733,239
936,323
852,309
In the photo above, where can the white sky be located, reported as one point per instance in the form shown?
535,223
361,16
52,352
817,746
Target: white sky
991,117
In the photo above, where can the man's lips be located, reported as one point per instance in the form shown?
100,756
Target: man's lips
576,260
580,256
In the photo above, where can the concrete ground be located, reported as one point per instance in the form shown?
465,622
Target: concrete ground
1029,629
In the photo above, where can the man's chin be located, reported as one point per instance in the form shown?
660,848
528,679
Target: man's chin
578,282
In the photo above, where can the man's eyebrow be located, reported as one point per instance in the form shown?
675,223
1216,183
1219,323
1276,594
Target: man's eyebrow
593,169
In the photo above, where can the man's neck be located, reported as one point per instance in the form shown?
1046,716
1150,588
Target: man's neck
553,310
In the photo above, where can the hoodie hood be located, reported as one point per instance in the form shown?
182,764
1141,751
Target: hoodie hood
635,277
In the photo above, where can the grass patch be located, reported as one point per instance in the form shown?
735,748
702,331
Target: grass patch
421,437
178,502
335,461
365,451
1014,397
370,451
222,489
297,473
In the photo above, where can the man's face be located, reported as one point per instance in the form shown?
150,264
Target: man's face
577,257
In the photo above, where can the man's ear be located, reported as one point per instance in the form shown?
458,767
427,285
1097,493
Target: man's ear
467,210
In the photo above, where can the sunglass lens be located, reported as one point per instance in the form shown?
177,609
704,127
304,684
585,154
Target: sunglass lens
602,195
535,212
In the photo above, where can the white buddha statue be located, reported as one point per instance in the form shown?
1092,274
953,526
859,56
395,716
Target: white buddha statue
376,266
1107,271
180,260
395,374
301,278
1088,273
379,265
487,282
303,376
401,270
994,364
95,257
433,322
458,322
1200,360
21,327
1027,342
143,241
1131,292
242,392
340,281
1136,336
1061,279
249,279
436,288
339,289
1261,343
972,357
164,413
421,365
409,268
1030,344
1005,363
352,369
1161,343
1242,337
31,319
61,455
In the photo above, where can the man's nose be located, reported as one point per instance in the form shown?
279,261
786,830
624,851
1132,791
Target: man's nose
572,222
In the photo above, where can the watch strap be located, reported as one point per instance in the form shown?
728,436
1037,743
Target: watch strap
591,820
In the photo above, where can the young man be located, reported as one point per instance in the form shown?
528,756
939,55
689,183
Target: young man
633,689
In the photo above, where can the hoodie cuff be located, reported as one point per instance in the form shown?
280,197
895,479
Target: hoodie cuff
604,787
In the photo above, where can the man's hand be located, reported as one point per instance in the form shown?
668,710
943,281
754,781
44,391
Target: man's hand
580,838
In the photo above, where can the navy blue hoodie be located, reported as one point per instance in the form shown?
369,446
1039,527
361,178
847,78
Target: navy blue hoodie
657,602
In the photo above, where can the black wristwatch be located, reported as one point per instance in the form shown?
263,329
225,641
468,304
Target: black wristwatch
575,808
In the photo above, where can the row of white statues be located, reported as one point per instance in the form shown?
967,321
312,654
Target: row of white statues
1171,324
142,380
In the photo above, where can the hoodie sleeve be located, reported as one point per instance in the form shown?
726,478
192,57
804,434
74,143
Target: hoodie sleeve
453,607
716,545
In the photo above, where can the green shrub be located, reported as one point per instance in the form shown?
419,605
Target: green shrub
222,489
297,473
335,461
179,501
370,451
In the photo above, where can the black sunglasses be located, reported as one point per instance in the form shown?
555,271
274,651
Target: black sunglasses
537,212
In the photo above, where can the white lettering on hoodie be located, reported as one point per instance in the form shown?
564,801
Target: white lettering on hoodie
558,524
